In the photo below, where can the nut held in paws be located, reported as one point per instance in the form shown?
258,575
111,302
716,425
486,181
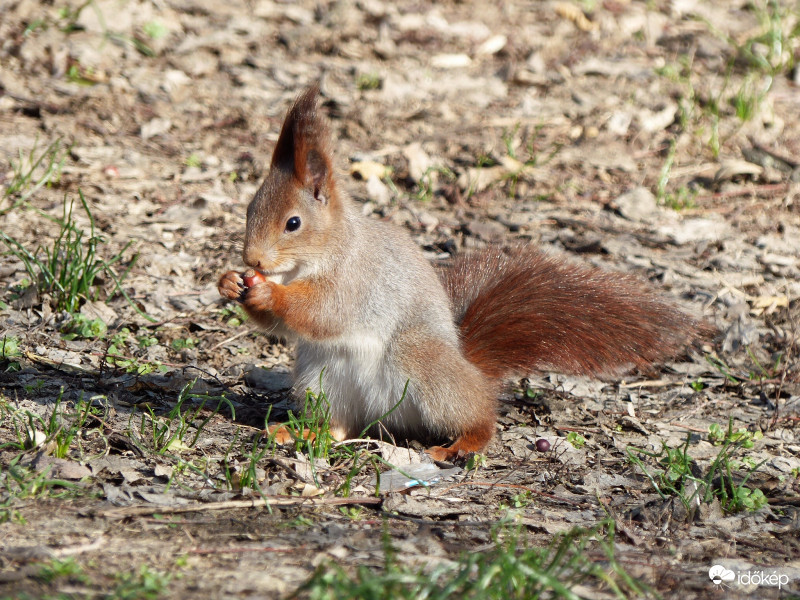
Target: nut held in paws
252,277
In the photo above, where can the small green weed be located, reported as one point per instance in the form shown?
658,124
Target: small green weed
771,51
354,513
171,433
9,347
68,16
193,160
82,327
299,522
19,483
35,387
145,584
155,30
249,475
62,569
532,393
758,373
24,426
666,169
183,344
508,138
576,440
119,355
70,266
720,365
475,462
698,110
80,75
58,431
426,186
33,172
512,569
753,64
368,81
233,315
65,426
748,99
146,341
312,434
237,478
66,21
522,499
311,428
677,473
683,197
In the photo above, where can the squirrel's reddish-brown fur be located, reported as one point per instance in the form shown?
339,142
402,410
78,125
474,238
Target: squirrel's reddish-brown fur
520,310
370,314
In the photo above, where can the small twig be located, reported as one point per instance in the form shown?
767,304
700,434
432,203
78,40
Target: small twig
357,441
73,550
652,383
241,549
106,355
793,500
134,511
230,339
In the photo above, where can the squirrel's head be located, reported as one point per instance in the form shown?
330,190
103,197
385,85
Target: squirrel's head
297,210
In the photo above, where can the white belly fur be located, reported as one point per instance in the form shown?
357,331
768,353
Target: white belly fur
360,381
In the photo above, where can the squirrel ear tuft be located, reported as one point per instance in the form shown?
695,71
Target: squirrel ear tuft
304,144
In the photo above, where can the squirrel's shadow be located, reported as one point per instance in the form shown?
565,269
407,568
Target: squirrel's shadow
250,402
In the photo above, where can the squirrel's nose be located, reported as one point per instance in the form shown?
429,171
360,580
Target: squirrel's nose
253,258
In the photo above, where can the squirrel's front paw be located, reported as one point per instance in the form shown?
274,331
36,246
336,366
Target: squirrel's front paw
231,286
258,298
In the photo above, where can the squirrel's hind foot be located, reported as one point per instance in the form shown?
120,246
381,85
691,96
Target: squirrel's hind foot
474,440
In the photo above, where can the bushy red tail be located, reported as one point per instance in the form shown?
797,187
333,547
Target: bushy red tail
523,311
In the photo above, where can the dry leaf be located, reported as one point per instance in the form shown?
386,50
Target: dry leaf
767,304
451,61
572,13
368,168
731,168
493,45
309,491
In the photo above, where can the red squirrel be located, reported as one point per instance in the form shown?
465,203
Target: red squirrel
370,313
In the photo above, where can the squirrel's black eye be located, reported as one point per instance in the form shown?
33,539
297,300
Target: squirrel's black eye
293,224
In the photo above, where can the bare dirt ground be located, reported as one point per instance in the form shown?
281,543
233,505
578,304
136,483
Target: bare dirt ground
657,138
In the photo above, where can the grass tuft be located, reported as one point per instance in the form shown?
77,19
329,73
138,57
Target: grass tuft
33,172
172,433
675,473
69,267
511,570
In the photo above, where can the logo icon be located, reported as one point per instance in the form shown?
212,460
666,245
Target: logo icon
718,574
